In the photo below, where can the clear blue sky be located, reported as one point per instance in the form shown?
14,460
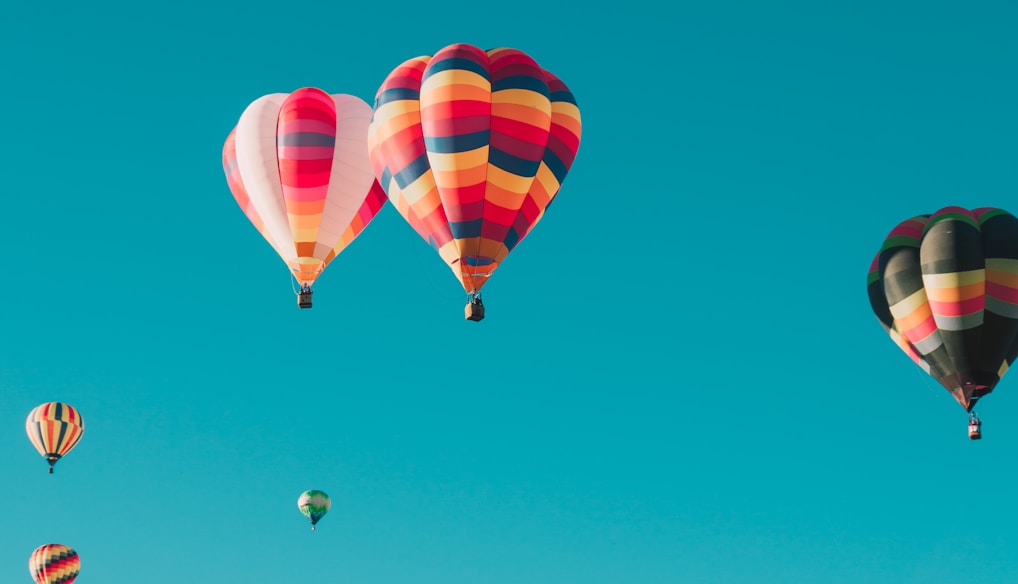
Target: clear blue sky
679,378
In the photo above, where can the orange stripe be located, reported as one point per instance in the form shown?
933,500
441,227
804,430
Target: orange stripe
566,119
440,95
521,113
914,318
1008,279
956,293
461,177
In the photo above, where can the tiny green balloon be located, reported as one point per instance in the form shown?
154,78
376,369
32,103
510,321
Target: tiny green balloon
314,505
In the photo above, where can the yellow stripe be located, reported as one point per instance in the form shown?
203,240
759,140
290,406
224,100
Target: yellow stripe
508,181
909,305
525,97
452,77
954,279
456,160
423,187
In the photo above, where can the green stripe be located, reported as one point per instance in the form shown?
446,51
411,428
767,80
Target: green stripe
990,214
951,217
899,241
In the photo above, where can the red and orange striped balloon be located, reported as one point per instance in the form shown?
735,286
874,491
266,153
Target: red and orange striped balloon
471,147
54,563
54,429
297,164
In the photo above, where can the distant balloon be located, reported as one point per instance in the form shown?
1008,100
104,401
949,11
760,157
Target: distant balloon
54,429
471,147
314,505
297,164
945,287
54,563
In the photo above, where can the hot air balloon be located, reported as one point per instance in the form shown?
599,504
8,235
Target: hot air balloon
54,429
945,287
297,164
314,505
54,563
471,147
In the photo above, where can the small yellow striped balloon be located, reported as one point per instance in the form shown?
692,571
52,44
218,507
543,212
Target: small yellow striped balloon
54,429
54,563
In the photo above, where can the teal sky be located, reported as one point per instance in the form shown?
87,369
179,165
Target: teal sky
679,378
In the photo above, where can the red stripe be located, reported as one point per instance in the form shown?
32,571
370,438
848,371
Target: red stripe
1002,292
921,330
961,308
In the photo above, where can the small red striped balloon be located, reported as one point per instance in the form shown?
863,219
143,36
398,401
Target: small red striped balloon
54,429
54,563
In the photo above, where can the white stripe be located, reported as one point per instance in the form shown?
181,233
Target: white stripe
352,176
259,169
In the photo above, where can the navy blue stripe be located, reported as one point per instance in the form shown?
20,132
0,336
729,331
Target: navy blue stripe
513,164
465,229
396,94
479,261
566,96
555,165
386,179
456,63
412,171
60,438
511,239
457,143
521,82
305,139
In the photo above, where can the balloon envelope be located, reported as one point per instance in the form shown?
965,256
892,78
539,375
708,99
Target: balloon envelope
298,167
471,147
314,505
54,563
945,288
54,428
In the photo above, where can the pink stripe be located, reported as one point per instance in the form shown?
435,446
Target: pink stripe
306,152
970,306
306,180
921,330
979,212
1002,292
910,227
958,210
313,93
306,194
306,125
